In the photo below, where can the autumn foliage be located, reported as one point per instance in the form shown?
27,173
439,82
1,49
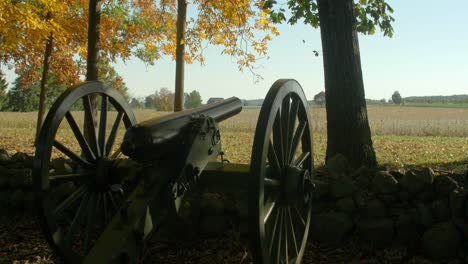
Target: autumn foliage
144,29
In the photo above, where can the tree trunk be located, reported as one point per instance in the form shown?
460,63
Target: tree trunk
92,61
92,69
180,52
43,85
45,73
347,124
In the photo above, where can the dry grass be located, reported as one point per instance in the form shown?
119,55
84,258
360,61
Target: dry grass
416,136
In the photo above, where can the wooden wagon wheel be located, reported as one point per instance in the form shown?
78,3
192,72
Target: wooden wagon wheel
280,183
73,221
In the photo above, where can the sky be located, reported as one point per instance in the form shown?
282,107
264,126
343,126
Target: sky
428,55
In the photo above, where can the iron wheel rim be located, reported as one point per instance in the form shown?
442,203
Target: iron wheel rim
101,147
268,229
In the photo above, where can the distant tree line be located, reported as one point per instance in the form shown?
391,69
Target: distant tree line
23,95
163,100
451,99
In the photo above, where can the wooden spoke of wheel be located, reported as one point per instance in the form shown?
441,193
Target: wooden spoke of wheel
285,108
273,159
81,212
293,232
280,237
90,130
102,126
113,133
278,138
296,140
300,160
93,204
71,176
273,232
89,154
72,155
291,124
70,200
299,215
272,205
270,183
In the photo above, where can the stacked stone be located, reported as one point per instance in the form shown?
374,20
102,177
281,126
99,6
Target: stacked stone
15,181
384,208
16,192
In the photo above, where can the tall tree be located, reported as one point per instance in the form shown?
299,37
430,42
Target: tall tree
180,54
234,25
94,29
320,99
396,98
3,89
24,96
193,99
339,21
43,87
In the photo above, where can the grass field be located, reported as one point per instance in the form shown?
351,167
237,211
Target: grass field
403,136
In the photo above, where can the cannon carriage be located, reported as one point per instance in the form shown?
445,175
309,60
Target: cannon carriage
107,217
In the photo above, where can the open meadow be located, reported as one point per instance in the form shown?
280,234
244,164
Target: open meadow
403,136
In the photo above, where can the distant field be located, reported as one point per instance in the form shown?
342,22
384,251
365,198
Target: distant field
402,135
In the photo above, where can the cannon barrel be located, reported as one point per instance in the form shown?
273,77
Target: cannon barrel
155,138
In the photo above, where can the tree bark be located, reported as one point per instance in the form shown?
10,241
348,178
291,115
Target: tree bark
347,123
180,52
92,60
43,85
92,69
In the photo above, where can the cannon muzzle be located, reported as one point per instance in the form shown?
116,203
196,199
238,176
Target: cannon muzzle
159,136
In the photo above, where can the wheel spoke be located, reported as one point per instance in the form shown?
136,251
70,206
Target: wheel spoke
273,232
296,140
271,182
293,232
76,221
273,159
104,207
301,159
90,125
299,215
69,201
79,137
292,122
285,221
269,210
72,155
73,176
102,126
116,154
113,133
280,238
58,235
285,108
113,201
93,200
278,138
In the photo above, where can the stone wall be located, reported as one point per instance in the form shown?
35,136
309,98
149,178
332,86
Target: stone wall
419,209
15,181
423,209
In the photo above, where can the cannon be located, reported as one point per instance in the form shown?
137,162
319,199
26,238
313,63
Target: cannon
107,216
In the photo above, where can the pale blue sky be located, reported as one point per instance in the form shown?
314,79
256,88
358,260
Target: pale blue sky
428,55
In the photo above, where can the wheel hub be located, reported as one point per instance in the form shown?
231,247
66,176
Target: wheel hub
102,180
297,185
